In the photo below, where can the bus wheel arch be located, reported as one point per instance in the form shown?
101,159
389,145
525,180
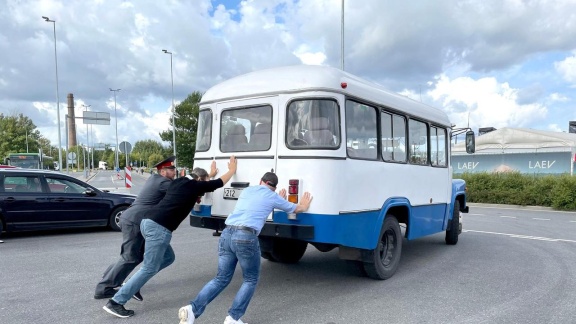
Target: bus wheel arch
382,262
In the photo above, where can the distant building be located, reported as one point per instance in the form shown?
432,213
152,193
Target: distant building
518,149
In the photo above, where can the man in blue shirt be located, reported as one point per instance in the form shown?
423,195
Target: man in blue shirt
239,243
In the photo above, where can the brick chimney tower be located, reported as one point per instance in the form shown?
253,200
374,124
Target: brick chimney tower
71,122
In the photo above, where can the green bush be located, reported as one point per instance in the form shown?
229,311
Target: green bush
514,188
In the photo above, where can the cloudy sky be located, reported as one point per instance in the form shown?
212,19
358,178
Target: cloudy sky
499,63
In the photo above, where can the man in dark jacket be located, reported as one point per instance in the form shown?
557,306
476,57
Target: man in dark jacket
132,250
157,226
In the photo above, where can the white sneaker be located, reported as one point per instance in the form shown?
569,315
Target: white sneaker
186,315
230,320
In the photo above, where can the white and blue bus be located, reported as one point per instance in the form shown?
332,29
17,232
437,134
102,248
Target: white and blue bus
371,158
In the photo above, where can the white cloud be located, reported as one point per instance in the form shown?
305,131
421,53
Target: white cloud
567,68
491,54
483,103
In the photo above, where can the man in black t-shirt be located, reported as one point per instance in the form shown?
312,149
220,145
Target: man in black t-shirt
157,226
132,249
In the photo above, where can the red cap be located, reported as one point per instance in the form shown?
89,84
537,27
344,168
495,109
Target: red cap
168,163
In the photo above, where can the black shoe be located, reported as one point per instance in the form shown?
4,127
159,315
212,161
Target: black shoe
138,296
109,293
117,310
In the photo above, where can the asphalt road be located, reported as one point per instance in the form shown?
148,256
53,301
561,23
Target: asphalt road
511,265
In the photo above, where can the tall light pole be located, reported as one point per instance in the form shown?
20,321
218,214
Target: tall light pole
57,96
116,117
173,109
87,137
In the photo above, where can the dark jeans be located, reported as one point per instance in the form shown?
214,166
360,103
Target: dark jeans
131,255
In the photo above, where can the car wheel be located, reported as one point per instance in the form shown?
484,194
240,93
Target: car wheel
1,226
115,218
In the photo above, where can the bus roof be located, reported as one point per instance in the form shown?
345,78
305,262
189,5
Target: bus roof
299,78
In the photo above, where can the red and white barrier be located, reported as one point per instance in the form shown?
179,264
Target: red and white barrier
128,177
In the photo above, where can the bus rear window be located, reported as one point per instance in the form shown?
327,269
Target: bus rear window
313,124
246,129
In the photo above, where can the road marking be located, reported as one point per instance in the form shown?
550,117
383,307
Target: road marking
523,236
572,221
541,218
508,216
476,214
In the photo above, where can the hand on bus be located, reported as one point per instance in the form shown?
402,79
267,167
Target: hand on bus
232,165
304,203
282,193
213,169
231,170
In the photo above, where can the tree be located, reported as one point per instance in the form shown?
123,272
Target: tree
144,149
186,118
18,134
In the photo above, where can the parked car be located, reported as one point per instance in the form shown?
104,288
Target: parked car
40,199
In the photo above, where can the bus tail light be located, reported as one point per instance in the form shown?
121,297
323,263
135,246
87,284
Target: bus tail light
293,185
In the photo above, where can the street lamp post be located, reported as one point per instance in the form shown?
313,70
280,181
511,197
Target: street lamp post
173,109
116,117
57,96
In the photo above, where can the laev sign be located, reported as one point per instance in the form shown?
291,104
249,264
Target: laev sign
556,162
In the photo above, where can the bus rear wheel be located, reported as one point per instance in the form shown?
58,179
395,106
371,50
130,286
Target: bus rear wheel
282,250
382,262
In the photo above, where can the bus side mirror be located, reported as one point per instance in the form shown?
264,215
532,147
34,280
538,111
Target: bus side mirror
470,142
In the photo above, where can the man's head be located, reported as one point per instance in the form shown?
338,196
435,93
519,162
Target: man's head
270,179
200,174
166,168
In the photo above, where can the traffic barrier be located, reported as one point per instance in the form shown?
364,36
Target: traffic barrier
128,177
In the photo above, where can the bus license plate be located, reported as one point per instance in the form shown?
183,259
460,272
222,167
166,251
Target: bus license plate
232,193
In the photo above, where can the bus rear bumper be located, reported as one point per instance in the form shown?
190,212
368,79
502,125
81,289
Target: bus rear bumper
297,232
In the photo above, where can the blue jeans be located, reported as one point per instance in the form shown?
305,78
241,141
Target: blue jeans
158,254
234,246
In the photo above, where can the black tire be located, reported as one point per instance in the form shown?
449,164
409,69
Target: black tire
114,222
382,262
1,226
453,225
282,250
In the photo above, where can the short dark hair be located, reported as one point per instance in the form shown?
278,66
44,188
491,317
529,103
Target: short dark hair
270,179
200,173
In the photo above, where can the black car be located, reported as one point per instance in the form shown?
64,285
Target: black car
39,200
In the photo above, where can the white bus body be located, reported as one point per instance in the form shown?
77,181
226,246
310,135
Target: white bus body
102,165
320,126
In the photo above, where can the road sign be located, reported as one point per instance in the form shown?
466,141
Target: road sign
71,155
93,117
125,147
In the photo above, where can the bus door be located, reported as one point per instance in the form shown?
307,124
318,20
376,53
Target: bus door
248,130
